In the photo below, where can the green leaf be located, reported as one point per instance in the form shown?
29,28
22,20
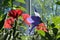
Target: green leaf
10,3
58,39
5,36
56,21
5,2
2,21
57,26
25,37
14,29
22,1
14,5
52,25
42,33
58,36
55,31
22,8
58,2
1,17
49,37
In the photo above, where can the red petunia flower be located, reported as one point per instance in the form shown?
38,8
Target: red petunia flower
15,13
8,23
24,17
42,26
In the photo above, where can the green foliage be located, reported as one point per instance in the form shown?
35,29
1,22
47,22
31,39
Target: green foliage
58,2
55,31
1,16
24,37
7,3
2,21
10,3
58,36
22,8
21,1
56,21
42,33
48,36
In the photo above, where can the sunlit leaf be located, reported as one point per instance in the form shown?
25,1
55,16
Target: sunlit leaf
41,32
22,8
1,17
22,1
56,21
10,3
58,36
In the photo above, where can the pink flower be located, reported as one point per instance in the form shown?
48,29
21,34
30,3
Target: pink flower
8,23
24,17
42,26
